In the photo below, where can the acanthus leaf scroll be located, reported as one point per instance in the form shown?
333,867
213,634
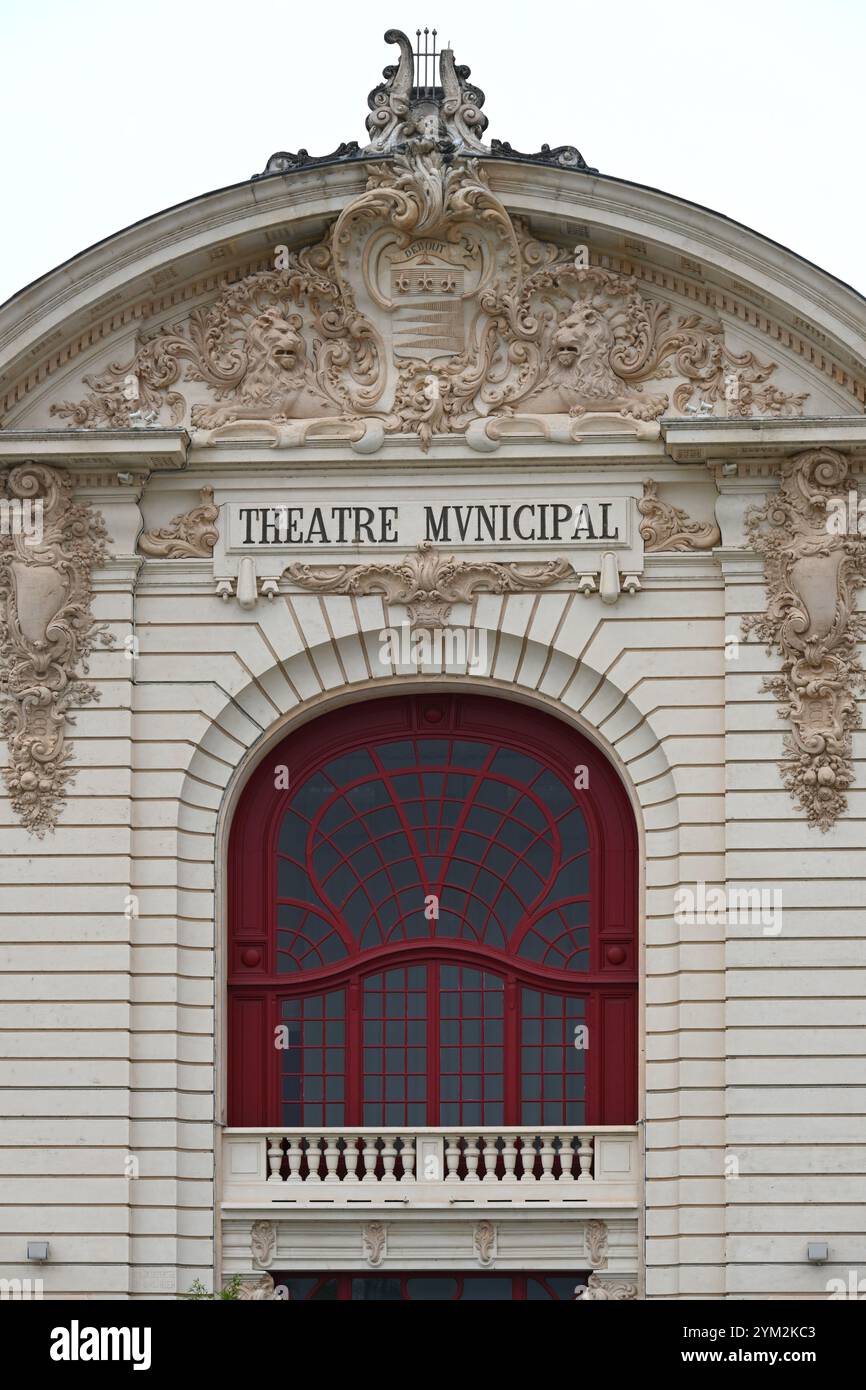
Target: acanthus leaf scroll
429,584
47,633
426,307
812,572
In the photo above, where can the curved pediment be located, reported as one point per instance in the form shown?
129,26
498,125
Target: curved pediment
429,286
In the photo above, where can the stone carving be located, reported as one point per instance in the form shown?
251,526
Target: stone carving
429,584
263,1241
484,1243
400,110
47,633
813,570
595,1243
596,1289
425,95
192,534
281,344
375,1242
668,528
284,162
426,308
259,1290
565,156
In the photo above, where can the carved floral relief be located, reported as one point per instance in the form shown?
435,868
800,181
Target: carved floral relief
595,1238
813,571
668,528
597,1290
193,534
484,1243
374,1242
426,307
263,1243
47,632
428,583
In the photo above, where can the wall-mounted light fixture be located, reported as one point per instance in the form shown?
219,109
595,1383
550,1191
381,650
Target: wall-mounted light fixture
817,1252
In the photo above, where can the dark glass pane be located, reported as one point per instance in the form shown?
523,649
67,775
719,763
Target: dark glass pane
326,1292
380,1290
431,1288
490,1288
536,1291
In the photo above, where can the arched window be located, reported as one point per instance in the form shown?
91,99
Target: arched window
432,909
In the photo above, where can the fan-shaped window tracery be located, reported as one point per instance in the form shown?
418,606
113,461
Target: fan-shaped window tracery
440,918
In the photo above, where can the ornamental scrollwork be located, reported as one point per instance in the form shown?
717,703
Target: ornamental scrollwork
425,308
665,527
429,584
400,111
263,1242
260,1290
484,1243
595,1239
374,1242
191,535
597,1290
813,569
47,633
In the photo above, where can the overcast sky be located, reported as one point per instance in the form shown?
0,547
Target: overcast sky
112,111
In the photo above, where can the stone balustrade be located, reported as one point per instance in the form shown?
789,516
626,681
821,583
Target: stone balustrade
552,1166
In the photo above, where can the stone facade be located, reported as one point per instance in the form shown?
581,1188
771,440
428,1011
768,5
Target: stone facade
432,322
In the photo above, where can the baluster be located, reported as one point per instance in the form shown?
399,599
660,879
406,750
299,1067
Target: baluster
369,1158
275,1158
548,1153
389,1157
527,1156
332,1158
407,1154
584,1154
295,1153
509,1157
452,1158
566,1159
490,1154
472,1160
314,1156
350,1155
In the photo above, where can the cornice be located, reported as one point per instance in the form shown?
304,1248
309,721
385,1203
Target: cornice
82,451
695,441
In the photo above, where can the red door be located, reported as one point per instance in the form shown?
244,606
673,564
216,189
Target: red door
433,922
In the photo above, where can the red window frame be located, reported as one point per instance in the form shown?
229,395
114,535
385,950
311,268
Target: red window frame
326,1286
608,988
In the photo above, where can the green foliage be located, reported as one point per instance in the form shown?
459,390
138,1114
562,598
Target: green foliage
197,1291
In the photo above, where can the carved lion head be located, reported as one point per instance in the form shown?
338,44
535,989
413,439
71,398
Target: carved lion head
585,329
581,350
276,354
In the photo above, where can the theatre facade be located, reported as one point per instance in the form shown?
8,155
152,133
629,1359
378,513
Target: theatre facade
433,801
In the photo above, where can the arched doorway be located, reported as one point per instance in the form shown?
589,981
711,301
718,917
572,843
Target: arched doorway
432,921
